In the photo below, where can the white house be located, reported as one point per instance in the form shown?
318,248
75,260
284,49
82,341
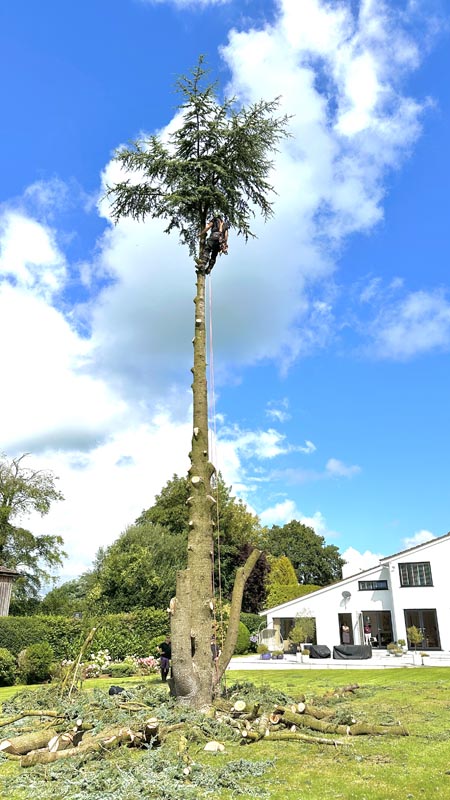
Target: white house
379,604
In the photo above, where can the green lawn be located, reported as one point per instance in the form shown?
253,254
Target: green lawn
365,768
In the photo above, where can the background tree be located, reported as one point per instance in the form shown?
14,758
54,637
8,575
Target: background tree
217,161
282,583
314,561
139,569
23,490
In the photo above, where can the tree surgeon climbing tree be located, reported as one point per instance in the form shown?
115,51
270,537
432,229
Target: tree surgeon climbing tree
217,162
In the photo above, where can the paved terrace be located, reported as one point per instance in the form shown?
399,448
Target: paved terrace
380,660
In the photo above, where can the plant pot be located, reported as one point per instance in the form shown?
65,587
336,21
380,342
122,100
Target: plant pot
265,656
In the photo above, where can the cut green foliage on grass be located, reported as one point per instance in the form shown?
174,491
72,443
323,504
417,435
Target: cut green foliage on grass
363,768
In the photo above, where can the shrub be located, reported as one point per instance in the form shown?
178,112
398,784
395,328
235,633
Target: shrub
262,648
253,622
119,633
123,669
35,663
243,640
303,630
7,667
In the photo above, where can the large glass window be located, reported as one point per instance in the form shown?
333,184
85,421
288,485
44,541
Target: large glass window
415,574
370,586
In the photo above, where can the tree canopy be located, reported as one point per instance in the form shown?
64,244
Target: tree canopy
217,161
314,561
23,490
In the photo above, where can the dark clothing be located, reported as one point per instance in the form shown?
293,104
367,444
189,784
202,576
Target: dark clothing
166,649
215,243
215,652
164,661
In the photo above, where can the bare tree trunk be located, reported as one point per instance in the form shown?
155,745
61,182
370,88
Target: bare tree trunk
192,609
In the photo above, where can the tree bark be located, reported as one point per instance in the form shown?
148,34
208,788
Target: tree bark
192,617
235,610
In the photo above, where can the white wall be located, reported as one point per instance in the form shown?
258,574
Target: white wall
326,604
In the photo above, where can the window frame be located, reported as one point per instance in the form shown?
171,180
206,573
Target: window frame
373,587
414,571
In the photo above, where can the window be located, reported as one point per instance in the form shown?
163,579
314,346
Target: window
370,586
415,574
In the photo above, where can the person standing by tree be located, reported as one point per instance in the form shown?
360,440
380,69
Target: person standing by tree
217,162
165,649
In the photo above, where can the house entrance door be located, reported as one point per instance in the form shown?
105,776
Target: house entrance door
379,623
425,619
345,628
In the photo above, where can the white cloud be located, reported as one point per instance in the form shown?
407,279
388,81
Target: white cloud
338,469
286,511
358,562
108,487
419,323
278,410
418,538
29,254
309,447
280,513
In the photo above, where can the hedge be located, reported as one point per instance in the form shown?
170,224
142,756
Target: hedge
121,634
253,621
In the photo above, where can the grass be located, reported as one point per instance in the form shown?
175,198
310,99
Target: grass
367,768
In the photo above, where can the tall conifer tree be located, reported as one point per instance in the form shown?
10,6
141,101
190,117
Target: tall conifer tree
218,161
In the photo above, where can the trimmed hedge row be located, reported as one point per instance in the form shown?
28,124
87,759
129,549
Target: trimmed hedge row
121,634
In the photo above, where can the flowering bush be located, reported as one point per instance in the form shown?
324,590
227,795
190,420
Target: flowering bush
98,664
143,666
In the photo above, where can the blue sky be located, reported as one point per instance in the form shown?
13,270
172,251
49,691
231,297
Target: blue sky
331,330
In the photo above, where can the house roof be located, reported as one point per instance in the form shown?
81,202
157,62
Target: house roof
7,571
433,540
328,588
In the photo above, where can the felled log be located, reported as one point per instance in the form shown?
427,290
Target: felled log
281,736
18,745
361,729
222,705
253,713
121,736
151,730
62,741
313,711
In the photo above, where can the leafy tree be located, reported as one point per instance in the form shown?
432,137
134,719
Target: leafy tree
23,490
139,569
69,598
303,630
217,161
170,507
236,531
314,561
254,596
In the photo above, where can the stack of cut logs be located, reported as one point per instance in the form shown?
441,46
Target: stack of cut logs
249,722
290,721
